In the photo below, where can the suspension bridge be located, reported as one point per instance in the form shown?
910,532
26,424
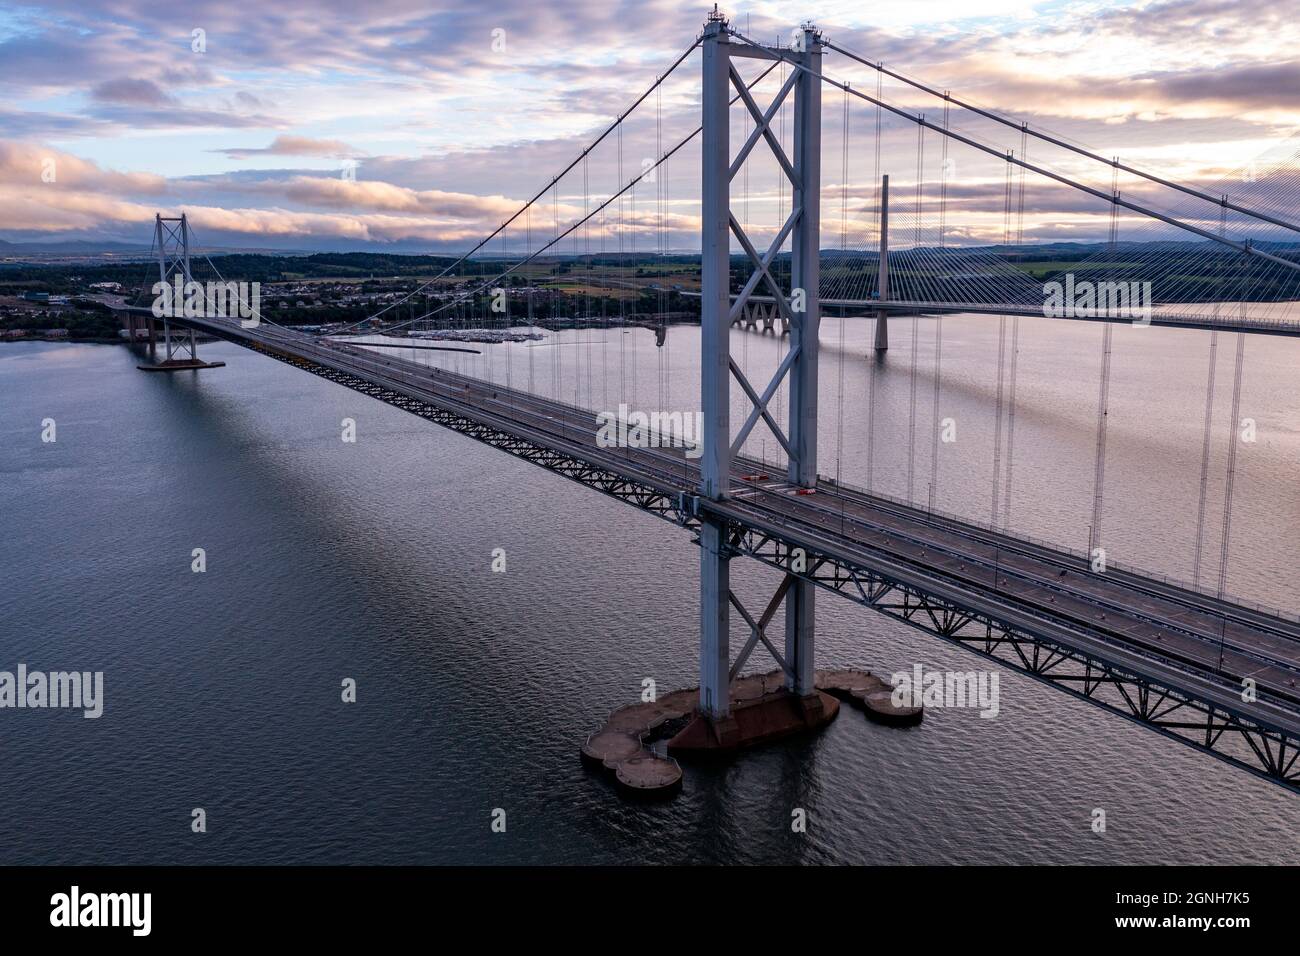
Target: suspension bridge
1187,661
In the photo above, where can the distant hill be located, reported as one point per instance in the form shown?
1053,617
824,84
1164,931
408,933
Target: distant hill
69,247
94,248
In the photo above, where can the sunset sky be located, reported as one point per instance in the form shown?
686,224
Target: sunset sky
419,125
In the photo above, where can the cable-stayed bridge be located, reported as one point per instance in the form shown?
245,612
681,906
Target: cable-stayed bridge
1187,661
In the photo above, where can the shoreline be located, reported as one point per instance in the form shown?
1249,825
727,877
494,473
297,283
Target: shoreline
95,340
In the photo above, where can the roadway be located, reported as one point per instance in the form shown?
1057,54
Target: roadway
1228,319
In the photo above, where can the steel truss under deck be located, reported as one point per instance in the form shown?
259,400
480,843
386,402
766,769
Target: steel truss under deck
662,502
1092,675
1229,735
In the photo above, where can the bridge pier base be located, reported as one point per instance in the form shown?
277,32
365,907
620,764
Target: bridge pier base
753,720
175,348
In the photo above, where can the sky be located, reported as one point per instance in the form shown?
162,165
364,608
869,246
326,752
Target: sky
421,125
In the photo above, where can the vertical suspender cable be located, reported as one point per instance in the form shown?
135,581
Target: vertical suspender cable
844,233
557,352
532,328
997,418
636,301
1103,395
1011,421
604,317
622,319
744,337
1232,465
1015,344
938,318
590,286
1233,425
505,318
1205,458
659,236
916,321
872,369
1209,421
781,183
664,297
1002,358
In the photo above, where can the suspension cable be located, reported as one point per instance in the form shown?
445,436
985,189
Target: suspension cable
1024,128
617,123
1247,247
631,184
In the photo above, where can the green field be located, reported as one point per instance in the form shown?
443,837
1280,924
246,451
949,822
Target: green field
1040,269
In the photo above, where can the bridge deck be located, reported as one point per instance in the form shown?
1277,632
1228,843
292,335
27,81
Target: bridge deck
1228,317
1151,619
1172,637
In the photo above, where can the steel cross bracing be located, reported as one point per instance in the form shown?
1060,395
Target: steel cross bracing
1158,687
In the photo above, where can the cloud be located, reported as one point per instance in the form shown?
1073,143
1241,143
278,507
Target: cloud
247,100
82,196
341,193
177,117
32,125
448,126
1256,86
22,166
127,91
297,146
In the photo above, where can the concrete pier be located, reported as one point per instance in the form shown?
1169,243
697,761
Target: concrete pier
623,745
179,365
762,710
870,694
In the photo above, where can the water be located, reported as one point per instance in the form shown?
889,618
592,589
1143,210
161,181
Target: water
372,561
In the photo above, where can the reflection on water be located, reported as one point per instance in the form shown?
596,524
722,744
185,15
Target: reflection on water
372,561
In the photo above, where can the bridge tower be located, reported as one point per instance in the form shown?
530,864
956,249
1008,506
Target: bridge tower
172,240
798,306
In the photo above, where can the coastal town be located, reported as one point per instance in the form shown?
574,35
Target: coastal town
78,302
